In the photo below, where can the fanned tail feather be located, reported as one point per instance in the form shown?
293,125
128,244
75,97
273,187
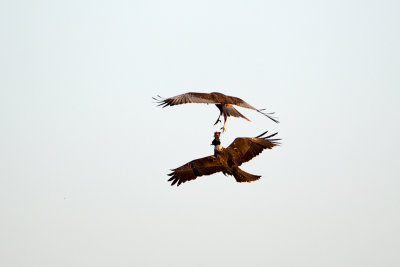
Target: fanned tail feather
229,110
242,176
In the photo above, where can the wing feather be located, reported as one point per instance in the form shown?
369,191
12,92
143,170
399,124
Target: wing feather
190,97
244,149
208,98
195,168
226,99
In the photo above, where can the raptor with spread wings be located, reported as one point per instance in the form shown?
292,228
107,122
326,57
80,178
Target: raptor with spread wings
226,160
223,102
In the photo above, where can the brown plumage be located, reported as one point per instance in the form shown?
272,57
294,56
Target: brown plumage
223,102
226,160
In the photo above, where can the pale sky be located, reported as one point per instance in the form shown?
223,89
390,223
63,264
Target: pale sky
85,153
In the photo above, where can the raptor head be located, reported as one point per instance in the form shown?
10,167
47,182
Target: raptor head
216,140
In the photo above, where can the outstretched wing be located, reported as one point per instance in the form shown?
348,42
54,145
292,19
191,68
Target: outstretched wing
244,149
241,103
191,97
208,98
195,168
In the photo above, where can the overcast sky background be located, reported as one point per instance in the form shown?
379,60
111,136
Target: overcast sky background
84,152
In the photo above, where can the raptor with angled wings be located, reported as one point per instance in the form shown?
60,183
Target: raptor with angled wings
223,102
226,160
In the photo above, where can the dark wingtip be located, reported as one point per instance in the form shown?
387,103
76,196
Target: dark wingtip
272,118
260,136
274,141
268,115
160,101
269,136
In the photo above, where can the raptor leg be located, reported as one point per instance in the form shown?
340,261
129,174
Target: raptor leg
223,127
218,120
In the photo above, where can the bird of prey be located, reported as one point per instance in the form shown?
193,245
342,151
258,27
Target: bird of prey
223,102
226,160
